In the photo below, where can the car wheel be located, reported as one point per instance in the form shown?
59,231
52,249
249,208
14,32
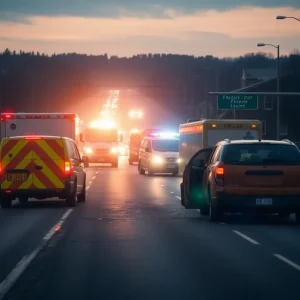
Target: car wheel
175,173
204,211
82,196
141,170
5,202
72,199
150,171
23,200
298,217
86,164
215,213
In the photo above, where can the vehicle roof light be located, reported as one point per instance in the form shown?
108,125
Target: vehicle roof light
253,126
8,116
32,138
29,116
214,125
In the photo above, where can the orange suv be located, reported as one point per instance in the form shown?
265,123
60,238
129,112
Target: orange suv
243,175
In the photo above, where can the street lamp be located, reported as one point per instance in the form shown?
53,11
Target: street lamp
284,17
278,84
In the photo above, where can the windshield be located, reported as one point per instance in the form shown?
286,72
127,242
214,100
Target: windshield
165,145
94,135
261,153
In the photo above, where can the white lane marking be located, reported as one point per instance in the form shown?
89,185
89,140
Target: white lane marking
161,185
171,192
97,172
246,237
93,177
179,198
90,182
287,261
21,266
13,276
87,187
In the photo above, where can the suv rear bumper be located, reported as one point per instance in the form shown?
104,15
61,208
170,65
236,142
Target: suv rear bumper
103,158
234,203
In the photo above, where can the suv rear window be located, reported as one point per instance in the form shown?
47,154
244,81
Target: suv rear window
260,154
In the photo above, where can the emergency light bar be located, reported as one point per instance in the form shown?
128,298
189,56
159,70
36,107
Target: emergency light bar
164,134
8,116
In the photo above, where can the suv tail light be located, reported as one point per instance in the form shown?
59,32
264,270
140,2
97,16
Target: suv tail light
219,176
68,168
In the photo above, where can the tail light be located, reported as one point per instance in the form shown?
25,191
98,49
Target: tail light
219,176
68,168
1,168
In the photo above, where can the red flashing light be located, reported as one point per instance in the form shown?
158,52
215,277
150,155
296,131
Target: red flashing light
29,116
38,116
46,116
0,167
7,116
8,191
67,168
32,138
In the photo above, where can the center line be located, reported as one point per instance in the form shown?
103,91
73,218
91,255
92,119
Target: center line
287,261
246,237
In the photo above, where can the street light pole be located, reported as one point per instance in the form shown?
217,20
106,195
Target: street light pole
284,17
278,90
278,86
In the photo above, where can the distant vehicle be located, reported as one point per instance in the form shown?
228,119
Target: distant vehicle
159,153
135,143
50,124
101,145
202,134
123,149
238,176
41,167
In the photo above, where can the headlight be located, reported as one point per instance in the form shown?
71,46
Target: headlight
157,160
88,150
114,150
178,160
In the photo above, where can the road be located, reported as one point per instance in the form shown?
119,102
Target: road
133,240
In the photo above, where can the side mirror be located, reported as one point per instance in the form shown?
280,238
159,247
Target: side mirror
147,150
81,137
84,159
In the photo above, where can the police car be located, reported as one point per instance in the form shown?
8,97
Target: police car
159,153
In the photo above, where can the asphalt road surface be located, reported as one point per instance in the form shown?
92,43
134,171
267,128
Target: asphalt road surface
133,240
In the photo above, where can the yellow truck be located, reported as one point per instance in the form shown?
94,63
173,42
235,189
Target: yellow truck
195,136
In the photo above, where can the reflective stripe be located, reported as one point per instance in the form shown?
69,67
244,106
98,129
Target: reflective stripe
42,159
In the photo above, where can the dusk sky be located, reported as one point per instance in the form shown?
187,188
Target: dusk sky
198,27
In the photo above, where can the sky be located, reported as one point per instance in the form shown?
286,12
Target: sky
223,28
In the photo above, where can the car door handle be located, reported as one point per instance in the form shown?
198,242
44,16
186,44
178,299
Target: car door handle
39,167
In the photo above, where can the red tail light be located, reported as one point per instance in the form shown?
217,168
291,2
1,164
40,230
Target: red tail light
68,168
219,176
1,168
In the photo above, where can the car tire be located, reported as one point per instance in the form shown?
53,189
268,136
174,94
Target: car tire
72,199
204,211
150,172
5,202
23,200
215,213
175,173
298,217
86,164
141,170
82,196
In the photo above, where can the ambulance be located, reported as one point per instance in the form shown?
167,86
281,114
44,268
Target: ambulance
195,136
50,124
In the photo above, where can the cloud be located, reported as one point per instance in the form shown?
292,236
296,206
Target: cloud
221,33
141,8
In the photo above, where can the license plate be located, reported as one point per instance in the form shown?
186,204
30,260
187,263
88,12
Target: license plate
264,201
16,176
171,166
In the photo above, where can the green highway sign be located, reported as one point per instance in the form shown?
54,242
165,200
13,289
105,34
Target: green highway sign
238,102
